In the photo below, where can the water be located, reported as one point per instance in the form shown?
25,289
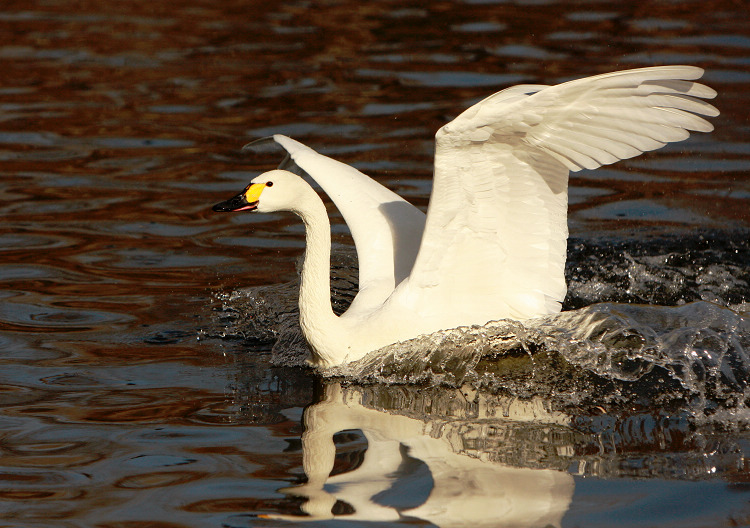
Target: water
135,391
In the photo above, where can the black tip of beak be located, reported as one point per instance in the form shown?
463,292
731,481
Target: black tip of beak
236,203
221,208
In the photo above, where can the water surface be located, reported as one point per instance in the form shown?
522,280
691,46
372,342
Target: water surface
132,395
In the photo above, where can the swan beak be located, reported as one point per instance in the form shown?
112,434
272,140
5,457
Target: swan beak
247,200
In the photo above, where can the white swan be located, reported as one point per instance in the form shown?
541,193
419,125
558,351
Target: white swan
493,243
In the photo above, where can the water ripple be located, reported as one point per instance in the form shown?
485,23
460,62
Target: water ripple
38,315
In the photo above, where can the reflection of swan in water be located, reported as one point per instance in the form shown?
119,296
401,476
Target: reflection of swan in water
408,457
493,243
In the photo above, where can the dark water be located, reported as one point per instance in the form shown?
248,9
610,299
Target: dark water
131,394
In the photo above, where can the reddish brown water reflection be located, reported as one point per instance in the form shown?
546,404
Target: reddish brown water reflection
121,123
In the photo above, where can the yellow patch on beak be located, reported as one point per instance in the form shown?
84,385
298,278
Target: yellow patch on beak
252,193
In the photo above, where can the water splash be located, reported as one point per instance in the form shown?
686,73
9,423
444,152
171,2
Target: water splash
606,355
625,350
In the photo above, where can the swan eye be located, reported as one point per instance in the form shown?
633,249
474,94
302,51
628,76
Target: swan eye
269,184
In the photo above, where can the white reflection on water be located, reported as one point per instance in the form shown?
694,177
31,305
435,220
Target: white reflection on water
408,458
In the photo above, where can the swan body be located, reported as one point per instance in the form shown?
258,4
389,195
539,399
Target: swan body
493,242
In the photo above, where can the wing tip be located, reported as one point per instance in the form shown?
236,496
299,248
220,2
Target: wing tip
292,146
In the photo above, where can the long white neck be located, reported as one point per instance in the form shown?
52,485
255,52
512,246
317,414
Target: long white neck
319,324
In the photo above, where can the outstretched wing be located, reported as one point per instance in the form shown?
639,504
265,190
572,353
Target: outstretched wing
386,228
494,244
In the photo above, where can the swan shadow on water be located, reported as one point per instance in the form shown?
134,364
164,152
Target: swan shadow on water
420,469
461,457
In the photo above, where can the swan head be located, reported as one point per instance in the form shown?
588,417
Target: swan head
276,190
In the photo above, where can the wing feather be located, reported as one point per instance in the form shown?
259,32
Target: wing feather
386,228
495,240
